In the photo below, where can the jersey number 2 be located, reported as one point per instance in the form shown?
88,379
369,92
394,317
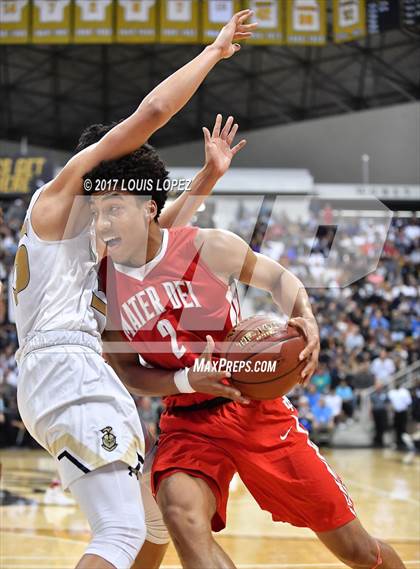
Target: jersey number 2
166,329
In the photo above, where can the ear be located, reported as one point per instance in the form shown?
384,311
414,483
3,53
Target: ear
150,210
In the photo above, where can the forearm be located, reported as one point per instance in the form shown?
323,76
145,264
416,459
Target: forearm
181,211
144,381
290,295
173,93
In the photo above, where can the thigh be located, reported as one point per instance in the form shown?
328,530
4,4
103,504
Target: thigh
196,457
190,494
295,483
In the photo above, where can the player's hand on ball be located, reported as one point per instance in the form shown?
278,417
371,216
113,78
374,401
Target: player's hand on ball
218,145
235,30
309,329
211,382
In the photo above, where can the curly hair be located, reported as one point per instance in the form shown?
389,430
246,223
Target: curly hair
93,133
143,166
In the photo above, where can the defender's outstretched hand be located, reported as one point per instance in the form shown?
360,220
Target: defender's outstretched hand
218,145
235,30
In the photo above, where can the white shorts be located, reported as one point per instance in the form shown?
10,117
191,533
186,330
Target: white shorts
72,402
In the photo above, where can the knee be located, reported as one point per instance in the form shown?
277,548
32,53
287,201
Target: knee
120,540
157,531
360,554
185,522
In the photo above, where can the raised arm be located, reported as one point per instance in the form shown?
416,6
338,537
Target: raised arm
218,157
51,215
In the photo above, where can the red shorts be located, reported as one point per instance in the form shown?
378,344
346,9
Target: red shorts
270,450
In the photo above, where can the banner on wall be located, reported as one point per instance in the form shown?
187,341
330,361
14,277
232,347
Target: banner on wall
51,21
269,15
306,22
14,21
93,21
216,13
179,21
136,21
23,174
349,20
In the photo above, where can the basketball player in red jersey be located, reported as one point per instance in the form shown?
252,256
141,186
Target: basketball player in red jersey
167,291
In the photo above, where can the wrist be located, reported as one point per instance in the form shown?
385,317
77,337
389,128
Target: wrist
211,171
215,51
182,382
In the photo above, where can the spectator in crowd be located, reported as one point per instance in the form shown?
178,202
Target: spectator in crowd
345,392
147,412
313,395
379,406
323,420
383,368
334,402
321,378
306,417
400,400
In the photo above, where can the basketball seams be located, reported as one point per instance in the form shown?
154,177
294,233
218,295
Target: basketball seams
274,343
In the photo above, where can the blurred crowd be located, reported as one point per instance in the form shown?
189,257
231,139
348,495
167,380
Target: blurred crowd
369,326
369,330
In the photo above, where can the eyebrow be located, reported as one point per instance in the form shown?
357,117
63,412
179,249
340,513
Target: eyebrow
112,195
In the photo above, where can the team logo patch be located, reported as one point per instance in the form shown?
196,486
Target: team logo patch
109,440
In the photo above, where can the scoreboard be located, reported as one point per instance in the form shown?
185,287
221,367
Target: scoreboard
382,15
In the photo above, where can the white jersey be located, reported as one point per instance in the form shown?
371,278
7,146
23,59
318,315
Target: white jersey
55,284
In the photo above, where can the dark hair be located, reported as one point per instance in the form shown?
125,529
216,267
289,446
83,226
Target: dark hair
93,133
143,166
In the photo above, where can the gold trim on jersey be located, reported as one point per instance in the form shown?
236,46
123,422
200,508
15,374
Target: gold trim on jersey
98,304
22,272
89,457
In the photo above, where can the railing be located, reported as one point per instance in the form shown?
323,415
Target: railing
405,377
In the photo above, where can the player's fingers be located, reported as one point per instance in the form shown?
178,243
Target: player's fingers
226,128
217,125
208,350
247,27
297,323
217,376
207,135
310,367
229,392
232,134
238,147
242,36
241,15
308,349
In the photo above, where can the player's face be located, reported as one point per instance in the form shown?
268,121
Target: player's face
120,225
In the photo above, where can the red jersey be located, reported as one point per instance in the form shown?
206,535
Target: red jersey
166,308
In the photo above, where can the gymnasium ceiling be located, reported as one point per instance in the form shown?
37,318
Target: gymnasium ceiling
49,94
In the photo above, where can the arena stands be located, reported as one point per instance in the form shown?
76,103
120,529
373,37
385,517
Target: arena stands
369,330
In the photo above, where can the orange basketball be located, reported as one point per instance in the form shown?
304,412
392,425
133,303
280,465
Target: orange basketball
263,356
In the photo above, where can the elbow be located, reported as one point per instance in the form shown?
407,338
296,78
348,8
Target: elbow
157,109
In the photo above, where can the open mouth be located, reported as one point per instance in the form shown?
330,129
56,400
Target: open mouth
113,242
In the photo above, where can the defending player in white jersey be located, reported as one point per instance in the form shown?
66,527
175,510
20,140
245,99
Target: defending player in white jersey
70,400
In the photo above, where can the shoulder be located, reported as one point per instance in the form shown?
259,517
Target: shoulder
218,240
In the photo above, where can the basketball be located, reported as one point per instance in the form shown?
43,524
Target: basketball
263,355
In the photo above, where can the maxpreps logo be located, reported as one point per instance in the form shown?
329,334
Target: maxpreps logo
223,365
